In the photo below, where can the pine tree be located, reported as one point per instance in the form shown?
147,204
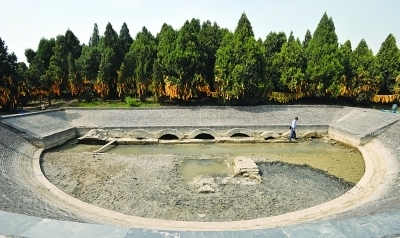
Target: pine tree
8,78
323,65
95,37
166,44
137,68
366,78
186,59
290,62
210,38
243,30
39,63
272,45
109,63
345,52
157,86
389,61
307,39
240,67
125,41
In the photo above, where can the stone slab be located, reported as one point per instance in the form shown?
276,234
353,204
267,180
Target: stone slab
243,164
324,229
53,229
16,224
365,227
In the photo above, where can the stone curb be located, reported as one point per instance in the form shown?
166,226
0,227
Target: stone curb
30,113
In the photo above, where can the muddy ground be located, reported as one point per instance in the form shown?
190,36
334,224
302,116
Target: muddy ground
151,185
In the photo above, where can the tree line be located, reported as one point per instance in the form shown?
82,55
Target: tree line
201,60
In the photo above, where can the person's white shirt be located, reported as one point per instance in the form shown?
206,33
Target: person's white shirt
294,124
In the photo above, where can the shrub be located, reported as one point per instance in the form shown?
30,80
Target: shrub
88,96
131,102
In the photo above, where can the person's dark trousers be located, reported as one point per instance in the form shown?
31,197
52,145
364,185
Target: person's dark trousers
292,134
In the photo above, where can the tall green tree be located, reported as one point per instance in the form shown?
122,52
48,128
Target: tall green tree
56,79
45,51
126,75
23,89
186,60
88,63
157,86
389,61
75,77
110,38
345,51
32,76
146,48
72,44
307,39
107,73
323,62
272,45
60,55
95,37
365,70
137,68
224,65
210,38
240,67
290,61
109,63
29,55
9,78
166,45
243,30
39,62
125,41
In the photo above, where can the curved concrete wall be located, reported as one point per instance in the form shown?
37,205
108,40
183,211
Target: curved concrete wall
19,191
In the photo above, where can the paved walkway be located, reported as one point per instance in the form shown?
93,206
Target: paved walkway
380,225
42,210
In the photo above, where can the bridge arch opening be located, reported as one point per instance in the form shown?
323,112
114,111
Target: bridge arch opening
169,137
239,135
204,136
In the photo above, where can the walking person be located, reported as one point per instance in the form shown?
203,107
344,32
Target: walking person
293,129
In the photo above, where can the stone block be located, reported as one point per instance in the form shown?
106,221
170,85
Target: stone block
244,165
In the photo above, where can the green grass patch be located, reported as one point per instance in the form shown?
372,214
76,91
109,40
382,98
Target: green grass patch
149,104
99,103
113,104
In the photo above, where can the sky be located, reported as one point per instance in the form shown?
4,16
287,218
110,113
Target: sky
24,22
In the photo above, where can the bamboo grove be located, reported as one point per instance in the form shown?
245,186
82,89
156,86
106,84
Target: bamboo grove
202,60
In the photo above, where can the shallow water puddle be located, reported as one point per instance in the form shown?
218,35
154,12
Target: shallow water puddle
191,168
334,158
226,148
